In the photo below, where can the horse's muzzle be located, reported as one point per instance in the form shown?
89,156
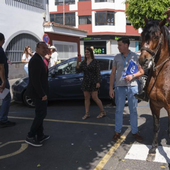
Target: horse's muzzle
146,63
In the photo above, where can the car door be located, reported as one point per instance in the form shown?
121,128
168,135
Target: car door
105,77
65,83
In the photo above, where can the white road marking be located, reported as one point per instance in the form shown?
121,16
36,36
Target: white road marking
140,152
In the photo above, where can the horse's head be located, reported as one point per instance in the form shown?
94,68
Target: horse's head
152,38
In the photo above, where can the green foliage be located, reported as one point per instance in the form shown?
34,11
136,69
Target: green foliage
152,9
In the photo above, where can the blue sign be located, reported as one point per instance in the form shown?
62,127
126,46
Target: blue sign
131,69
46,38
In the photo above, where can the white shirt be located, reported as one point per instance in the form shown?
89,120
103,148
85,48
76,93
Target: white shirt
53,59
26,59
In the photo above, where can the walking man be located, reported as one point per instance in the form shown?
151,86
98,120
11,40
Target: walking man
38,89
4,83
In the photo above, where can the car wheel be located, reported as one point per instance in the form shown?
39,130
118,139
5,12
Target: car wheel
28,101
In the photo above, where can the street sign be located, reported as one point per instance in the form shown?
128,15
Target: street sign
46,38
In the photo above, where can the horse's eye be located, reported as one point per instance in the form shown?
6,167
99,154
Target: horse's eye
156,37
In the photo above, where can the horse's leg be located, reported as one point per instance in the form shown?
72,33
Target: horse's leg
156,124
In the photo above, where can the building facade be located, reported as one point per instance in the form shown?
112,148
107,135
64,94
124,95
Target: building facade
21,21
104,20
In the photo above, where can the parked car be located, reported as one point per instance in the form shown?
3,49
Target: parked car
65,83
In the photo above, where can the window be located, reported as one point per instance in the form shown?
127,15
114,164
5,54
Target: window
104,64
60,2
58,18
104,1
128,22
65,50
84,20
35,3
66,68
104,18
16,47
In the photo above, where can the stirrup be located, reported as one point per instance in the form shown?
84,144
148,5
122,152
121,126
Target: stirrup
102,114
86,116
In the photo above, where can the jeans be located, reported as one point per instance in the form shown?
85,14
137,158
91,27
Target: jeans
5,105
26,68
121,92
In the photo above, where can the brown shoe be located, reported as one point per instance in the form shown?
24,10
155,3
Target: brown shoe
116,136
137,137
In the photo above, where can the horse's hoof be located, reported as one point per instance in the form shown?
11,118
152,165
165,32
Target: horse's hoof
150,157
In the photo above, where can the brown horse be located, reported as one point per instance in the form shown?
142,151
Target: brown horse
155,55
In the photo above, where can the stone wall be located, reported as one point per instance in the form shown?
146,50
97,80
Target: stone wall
16,70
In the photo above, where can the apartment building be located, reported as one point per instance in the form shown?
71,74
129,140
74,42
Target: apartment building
104,20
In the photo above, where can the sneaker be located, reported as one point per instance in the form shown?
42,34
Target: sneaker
116,136
33,142
142,96
137,137
7,124
44,138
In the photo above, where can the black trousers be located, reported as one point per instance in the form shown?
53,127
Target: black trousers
40,113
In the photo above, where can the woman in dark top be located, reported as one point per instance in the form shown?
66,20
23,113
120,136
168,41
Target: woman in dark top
91,81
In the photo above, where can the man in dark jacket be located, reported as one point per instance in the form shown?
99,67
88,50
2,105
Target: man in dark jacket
4,83
38,89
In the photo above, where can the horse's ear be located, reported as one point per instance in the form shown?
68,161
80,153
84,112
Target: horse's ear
146,20
162,23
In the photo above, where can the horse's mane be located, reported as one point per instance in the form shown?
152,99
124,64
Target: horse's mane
152,28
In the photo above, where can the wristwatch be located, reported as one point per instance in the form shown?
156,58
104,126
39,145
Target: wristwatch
133,76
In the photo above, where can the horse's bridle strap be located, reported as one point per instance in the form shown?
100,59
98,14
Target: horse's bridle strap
148,50
153,53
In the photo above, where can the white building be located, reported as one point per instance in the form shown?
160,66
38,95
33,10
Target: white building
21,21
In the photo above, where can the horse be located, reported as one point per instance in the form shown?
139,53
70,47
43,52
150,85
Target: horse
155,56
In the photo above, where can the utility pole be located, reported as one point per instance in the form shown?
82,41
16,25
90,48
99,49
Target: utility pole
63,12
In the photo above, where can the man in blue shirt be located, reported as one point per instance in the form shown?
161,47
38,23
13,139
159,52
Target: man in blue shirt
4,83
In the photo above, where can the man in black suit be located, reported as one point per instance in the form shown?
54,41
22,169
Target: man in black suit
38,89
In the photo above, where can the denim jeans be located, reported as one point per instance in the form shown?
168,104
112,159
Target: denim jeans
5,105
121,92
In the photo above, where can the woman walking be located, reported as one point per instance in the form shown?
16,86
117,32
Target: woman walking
91,82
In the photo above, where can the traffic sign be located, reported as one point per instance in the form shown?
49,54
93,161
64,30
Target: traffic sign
46,38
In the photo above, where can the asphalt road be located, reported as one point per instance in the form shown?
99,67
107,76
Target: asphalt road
81,145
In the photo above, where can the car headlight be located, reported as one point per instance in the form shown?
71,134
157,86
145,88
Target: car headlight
18,82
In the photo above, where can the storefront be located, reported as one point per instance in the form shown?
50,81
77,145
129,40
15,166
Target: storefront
107,44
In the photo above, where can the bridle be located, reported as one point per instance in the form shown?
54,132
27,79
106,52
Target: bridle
154,53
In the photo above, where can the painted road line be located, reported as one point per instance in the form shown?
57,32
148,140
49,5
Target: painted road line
68,121
140,152
22,148
109,154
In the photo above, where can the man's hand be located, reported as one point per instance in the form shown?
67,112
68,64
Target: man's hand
128,78
111,93
44,98
2,87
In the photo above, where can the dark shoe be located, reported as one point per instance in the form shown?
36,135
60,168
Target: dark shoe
142,96
137,137
7,124
33,142
116,136
45,137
